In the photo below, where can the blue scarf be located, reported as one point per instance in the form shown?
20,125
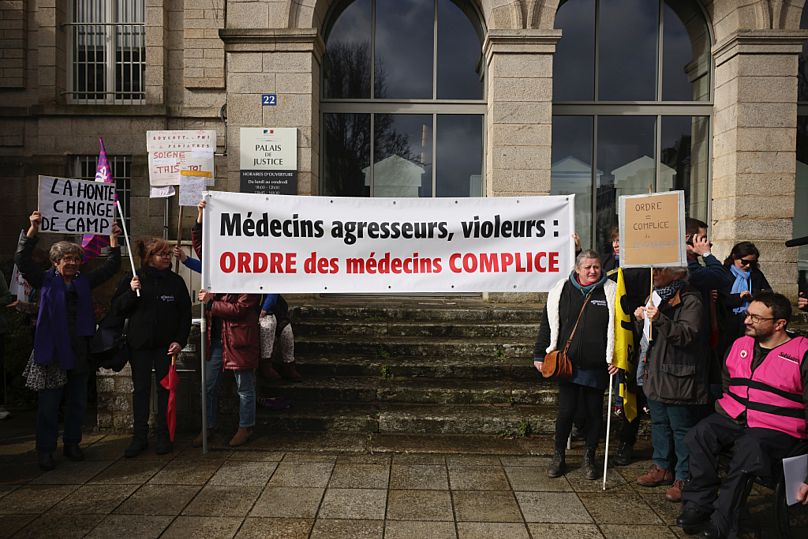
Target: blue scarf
588,288
52,338
743,283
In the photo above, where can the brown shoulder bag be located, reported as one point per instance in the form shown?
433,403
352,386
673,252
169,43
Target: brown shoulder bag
557,363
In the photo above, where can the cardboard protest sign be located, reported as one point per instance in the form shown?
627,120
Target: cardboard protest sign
191,188
76,206
652,230
255,243
173,151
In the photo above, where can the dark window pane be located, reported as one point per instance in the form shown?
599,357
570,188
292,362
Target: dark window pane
404,47
403,156
346,153
803,74
686,54
346,67
574,60
571,171
459,54
460,155
683,161
628,50
626,166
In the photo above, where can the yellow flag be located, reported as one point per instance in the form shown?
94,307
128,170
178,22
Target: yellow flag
624,348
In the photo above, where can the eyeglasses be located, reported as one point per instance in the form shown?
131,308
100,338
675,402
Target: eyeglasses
756,319
69,258
747,261
163,255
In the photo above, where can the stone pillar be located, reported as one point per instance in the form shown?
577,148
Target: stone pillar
156,29
519,80
754,148
282,61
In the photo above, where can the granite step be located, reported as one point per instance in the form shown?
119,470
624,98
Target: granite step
503,420
454,312
420,328
382,347
464,367
346,389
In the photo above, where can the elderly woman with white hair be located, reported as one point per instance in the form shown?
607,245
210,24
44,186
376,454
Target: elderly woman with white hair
580,311
673,366
60,365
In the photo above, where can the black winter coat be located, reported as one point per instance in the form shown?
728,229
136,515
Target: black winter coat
162,313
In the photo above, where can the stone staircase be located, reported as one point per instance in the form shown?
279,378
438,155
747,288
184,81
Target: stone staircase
414,366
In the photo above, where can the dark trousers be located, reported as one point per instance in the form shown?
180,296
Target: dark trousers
754,452
629,429
142,362
47,413
572,398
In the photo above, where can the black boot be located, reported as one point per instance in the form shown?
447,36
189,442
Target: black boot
590,469
74,452
163,446
135,448
557,465
45,460
625,454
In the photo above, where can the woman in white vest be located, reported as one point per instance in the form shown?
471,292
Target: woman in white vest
588,294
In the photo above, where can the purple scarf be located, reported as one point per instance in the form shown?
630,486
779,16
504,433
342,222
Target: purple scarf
52,338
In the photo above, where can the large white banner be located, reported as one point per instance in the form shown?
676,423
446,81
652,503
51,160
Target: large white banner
295,244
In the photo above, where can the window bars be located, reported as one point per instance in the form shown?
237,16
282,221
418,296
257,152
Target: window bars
107,52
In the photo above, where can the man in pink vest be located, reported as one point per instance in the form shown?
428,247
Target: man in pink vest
760,417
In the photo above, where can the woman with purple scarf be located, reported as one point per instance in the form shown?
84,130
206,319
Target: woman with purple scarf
60,365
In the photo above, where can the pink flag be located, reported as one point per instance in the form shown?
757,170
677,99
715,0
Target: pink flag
94,244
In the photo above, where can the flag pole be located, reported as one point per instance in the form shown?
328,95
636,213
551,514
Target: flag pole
203,347
608,430
179,240
126,238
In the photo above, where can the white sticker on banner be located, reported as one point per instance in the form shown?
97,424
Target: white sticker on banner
166,191
292,244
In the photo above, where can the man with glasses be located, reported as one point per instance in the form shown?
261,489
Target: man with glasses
760,417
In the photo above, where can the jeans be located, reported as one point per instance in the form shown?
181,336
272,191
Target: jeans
245,384
47,414
142,363
669,426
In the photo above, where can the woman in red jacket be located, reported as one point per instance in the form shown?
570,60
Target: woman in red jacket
233,345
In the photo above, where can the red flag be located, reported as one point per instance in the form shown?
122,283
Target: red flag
94,244
170,382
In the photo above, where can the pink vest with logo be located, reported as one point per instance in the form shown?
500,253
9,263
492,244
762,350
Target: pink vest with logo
772,395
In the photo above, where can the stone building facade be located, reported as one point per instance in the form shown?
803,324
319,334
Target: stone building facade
204,64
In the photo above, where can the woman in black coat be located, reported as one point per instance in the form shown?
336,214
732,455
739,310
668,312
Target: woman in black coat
159,324
733,299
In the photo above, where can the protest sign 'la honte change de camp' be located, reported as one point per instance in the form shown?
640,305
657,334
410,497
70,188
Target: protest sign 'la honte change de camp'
71,206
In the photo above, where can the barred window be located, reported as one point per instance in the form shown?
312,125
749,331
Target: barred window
121,167
108,52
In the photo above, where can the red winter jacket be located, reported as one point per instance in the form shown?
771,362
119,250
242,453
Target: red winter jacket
238,314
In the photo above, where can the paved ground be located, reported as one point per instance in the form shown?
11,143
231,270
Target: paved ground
310,486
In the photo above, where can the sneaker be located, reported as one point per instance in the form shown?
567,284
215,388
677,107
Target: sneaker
655,476
625,454
674,494
289,372
73,452
136,447
241,437
557,465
